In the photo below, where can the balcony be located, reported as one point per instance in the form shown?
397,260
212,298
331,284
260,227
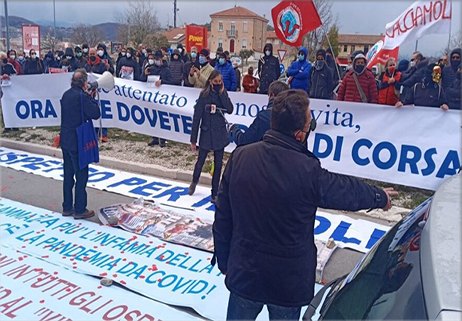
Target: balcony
231,33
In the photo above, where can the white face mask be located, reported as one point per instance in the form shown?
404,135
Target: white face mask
33,56
123,53
267,52
412,63
21,58
128,55
12,56
151,61
180,50
100,53
85,50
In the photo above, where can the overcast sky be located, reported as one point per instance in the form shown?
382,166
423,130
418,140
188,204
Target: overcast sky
363,17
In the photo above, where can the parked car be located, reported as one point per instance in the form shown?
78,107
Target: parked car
413,272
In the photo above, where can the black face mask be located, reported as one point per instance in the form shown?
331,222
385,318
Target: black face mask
93,58
5,60
216,88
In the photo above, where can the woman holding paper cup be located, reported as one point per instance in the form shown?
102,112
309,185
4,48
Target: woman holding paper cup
158,72
209,112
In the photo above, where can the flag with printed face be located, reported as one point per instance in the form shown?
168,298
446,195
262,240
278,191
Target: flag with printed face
293,19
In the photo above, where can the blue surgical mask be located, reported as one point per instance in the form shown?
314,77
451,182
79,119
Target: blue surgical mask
222,61
301,57
193,55
65,67
202,60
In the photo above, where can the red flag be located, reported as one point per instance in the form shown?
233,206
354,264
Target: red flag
196,37
378,55
293,19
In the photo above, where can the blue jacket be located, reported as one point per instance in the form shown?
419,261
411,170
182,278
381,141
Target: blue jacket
71,116
228,74
256,131
300,71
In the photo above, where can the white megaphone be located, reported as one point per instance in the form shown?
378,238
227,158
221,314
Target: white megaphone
106,82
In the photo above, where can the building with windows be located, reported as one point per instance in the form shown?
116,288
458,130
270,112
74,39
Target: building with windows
236,29
350,43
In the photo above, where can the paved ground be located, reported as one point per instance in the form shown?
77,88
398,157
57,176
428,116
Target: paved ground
47,193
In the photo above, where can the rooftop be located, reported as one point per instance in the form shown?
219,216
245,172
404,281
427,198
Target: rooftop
238,12
359,39
175,34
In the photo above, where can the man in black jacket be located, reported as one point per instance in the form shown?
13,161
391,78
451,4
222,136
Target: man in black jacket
128,67
69,55
414,75
261,124
322,83
268,69
265,215
71,118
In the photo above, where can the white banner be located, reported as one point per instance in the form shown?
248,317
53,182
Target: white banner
413,146
33,289
169,273
420,19
359,235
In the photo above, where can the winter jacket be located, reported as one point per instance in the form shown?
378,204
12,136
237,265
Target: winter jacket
162,71
33,66
16,65
8,69
238,78
265,218
335,69
187,69
177,69
214,135
128,68
449,72
49,62
348,90
107,57
387,92
412,76
71,115
322,83
268,69
22,63
199,82
228,74
256,131
453,94
81,62
97,66
72,62
250,84
300,71
427,94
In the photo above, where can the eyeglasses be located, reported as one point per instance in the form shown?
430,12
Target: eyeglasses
455,57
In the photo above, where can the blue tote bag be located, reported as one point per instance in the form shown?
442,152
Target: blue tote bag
87,141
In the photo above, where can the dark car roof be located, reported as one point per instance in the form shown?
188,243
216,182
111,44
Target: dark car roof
441,253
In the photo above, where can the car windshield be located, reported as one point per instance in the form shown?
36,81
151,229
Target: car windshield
386,283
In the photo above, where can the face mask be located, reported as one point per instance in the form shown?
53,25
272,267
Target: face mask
193,55
216,88
69,57
85,50
144,51
301,57
221,61
157,62
79,54
123,53
328,58
100,53
5,60
33,56
129,55
13,57
202,60
151,61
250,71
21,58
359,69
267,52
65,67
455,63
93,58
180,50
412,64
319,64
175,57
58,58
392,69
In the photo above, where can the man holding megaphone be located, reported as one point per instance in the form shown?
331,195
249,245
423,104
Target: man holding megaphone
78,139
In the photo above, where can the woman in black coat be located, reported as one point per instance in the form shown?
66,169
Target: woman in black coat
212,103
33,65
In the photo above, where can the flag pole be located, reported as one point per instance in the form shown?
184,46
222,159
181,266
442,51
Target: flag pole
416,44
333,54
450,24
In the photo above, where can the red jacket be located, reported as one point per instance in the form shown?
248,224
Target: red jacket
250,84
16,65
387,93
349,92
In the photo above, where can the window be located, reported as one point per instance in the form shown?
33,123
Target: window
366,49
245,27
244,43
220,42
353,48
220,26
345,48
233,28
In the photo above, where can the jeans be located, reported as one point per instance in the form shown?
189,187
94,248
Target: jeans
217,159
243,309
103,131
71,170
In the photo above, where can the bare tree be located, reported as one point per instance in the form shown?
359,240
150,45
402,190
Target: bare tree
48,43
456,40
90,35
138,21
155,41
313,40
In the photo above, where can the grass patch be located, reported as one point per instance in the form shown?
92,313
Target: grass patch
207,167
119,134
51,129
